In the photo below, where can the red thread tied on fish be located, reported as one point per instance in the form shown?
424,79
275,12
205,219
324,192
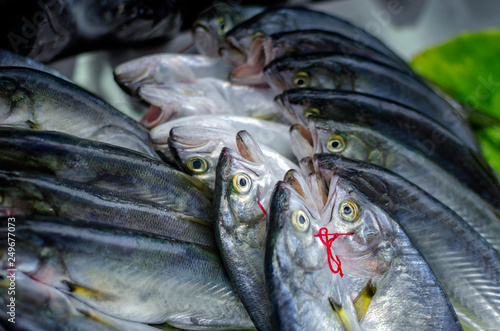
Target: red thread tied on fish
262,207
323,235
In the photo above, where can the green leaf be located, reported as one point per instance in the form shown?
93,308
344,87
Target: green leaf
468,68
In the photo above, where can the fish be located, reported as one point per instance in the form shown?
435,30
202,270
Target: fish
403,124
467,267
10,59
105,166
273,134
128,274
377,251
196,150
205,96
33,99
298,279
337,72
213,23
239,40
27,194
362,143
41,307
166,69
50,30
267,48
243,186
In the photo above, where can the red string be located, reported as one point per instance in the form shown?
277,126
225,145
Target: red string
261,207
323,236
186,48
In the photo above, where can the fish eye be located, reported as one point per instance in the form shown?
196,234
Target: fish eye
348,211
311,112
335,144
221,25
197,165
300,220
242,183
301,79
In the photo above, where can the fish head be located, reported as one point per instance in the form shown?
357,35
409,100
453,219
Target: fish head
293,222
196,150
370,249
210,27
338,138
301,141
307,71
244,183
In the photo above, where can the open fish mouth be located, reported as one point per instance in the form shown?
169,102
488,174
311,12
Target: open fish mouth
250,73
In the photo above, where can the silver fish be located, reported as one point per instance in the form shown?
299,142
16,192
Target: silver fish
128,274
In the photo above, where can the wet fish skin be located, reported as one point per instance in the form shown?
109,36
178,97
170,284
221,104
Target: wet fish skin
298,279
179,275
105,166
400,123
213,23
273,134
467,267
37,194
333,71
205,96
55,29
10,59
408,295
41,307
240,227
33,99
164,69
265,49
205,144
368,145
276,20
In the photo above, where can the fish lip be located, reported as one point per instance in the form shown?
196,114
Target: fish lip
280,103
204,41
232,51
250,73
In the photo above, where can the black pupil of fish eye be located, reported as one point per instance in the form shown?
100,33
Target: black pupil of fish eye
335,144
300,82
243,182
347,210
302,219
197,164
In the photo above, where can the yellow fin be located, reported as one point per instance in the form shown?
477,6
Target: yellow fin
342,315
97,317
86,292
363,300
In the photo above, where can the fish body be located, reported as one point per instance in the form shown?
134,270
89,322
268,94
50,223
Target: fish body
357,74
213,23
189,144
205,96
273,134
244,182
407,295
10,59
36,194
42,307
166,69
464,263
47,30
128,274
34,99
298,279
267,48
365,144
402,124
105,166
240,39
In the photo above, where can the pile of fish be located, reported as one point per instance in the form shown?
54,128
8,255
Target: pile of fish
297,175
